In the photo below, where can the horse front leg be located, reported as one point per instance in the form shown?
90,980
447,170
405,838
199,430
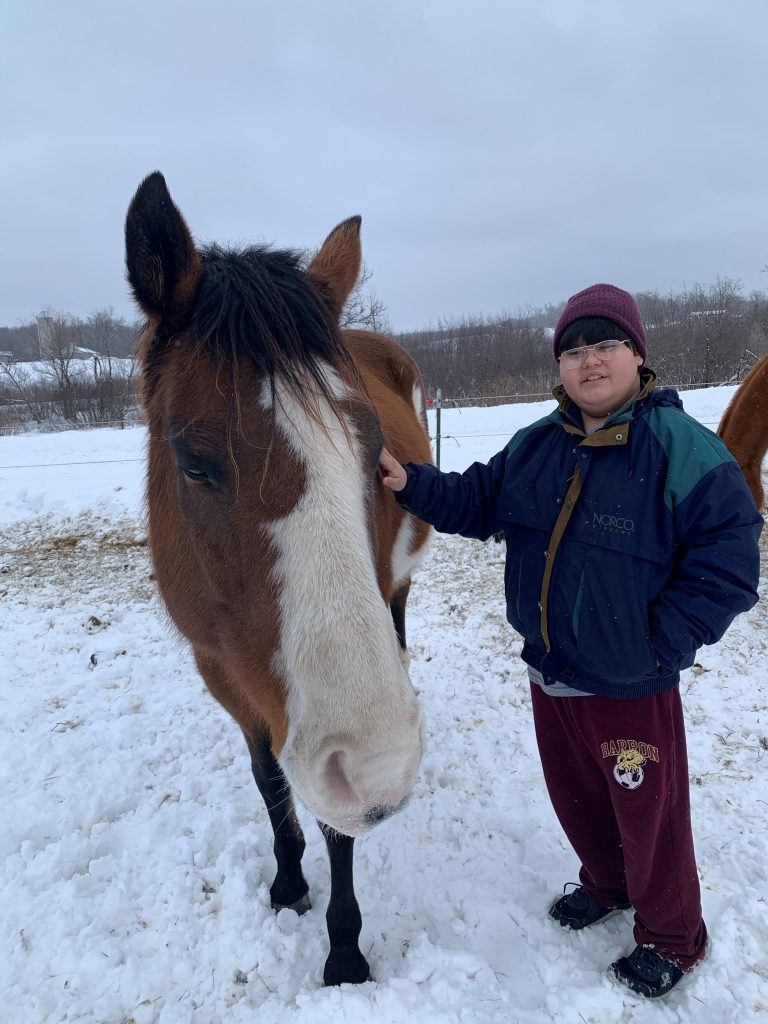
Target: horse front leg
345,962
289,889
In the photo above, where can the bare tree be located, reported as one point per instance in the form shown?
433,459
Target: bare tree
58,348
364,309
16,388
64,335
111,393
102,331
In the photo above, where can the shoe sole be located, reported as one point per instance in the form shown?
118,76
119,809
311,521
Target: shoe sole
580,928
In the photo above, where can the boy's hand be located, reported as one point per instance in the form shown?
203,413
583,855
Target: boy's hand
393,475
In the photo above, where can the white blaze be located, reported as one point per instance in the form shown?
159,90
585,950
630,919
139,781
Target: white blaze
355,737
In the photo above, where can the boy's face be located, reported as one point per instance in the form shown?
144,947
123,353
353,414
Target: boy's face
599,387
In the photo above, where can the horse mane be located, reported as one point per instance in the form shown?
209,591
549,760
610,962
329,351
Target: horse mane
257,303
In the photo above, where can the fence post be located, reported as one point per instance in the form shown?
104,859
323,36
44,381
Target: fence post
438,404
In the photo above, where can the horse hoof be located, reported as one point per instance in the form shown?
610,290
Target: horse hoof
346,966
300,906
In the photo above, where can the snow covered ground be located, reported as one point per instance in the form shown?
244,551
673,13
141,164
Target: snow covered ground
136,853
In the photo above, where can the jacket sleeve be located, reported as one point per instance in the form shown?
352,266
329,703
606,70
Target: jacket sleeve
717,573
465,503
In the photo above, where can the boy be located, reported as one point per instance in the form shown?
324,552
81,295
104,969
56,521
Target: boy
632,540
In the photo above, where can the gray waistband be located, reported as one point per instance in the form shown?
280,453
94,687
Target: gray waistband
555,689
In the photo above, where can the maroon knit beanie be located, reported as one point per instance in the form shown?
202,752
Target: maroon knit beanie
607,301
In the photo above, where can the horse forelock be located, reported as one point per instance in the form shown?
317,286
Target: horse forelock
254,307
258,304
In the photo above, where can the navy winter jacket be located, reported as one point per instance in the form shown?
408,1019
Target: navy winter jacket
627,549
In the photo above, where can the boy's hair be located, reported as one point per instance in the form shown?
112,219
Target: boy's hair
589,330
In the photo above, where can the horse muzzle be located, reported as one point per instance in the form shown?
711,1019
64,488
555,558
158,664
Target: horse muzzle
353,789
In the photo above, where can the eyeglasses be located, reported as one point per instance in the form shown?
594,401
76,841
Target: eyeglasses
604,350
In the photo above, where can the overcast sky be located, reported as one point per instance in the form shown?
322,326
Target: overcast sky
502,154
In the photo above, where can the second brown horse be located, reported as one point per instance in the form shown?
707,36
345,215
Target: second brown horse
744,426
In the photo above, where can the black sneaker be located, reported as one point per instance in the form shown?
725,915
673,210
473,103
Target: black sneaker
576,910
646,973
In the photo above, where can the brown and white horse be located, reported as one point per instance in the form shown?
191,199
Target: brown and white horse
278,552
744,426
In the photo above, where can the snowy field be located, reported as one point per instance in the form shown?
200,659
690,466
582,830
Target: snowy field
136,853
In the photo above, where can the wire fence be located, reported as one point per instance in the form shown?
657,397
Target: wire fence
475,401
63,426
480,400
465,402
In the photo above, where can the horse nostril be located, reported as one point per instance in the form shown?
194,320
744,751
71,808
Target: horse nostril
377,814
384,811
337,779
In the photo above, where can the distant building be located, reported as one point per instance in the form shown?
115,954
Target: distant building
44,332
6,358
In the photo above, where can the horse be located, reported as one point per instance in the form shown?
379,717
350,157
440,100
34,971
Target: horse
744,426
279,554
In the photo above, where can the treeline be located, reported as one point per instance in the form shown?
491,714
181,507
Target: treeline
62,370
706,335
106,334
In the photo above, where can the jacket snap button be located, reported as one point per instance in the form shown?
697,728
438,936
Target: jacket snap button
619,437
540,608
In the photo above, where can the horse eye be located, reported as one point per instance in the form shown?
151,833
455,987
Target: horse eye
198,476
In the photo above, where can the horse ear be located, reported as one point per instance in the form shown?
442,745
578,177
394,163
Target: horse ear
164,267
336,266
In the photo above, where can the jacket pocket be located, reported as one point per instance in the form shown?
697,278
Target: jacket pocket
523,574
613,631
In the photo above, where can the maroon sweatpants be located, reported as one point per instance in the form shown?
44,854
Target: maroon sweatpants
617,775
